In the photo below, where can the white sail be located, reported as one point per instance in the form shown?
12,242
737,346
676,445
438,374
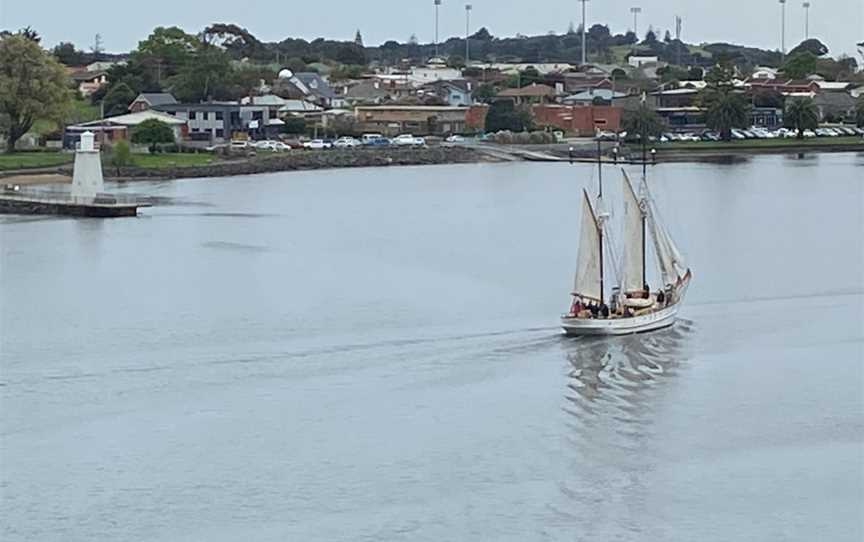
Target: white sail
588,267
672,265
634,247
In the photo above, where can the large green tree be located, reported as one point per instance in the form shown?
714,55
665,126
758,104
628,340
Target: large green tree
33,86
118,99
800,65
504,115
725,107
801,114
644,122
206,76
153,132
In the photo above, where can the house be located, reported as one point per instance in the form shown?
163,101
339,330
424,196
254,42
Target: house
578,120
221,121
104,65
454,93
307,86
532,94
678,97
420,120
365,91
762,72
435,70
112,129
147,100
89,82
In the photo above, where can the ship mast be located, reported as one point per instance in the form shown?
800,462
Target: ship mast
600,197
644,210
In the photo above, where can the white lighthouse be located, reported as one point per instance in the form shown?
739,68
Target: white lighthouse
87,178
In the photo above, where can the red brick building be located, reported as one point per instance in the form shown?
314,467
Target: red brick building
578,120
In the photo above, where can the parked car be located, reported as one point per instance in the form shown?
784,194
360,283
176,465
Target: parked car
376,142
366,138
455,139
346,143
317,144
273,146
408,140
605,135
238,144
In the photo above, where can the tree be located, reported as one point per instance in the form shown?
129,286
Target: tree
294,125
207,76
630,38
456,61
117,100
153,132
503,115
725,107
859,111
800,65
695,74
725,111
650,37
668,37
358,39
643,122
33,86
166,51
812,46
67,54
485,93
121,155
801,114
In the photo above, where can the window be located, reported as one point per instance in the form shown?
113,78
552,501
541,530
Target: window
220,132
219,115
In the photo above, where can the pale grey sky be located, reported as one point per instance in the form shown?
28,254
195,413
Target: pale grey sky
839,23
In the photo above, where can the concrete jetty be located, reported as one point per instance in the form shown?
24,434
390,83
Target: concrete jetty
86,196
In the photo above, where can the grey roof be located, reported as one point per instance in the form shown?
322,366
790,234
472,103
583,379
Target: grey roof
316,84
157,98
589,95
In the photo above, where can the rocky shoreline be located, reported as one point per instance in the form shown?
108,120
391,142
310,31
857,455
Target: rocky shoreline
306,160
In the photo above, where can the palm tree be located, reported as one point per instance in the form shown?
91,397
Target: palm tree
725,111
801,114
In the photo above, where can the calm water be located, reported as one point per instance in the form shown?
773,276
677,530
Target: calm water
373,355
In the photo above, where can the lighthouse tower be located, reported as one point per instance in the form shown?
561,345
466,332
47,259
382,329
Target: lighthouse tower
87,178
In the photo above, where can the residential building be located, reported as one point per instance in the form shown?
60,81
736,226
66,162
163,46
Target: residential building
578,120
454,93
532,94
307,86
641,61
364,91
221,121
835,106
112,129
148,100
420,120
435,70
89,82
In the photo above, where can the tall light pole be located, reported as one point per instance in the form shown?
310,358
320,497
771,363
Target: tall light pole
636,11
438,3
806,20
468,8
584,40
783,27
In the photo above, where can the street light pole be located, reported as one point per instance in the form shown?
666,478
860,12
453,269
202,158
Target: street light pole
584,40
438,3
806,20
636,11
783,27
468,8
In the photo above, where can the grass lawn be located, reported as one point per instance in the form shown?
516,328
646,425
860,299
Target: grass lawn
24,160
762,143
169,160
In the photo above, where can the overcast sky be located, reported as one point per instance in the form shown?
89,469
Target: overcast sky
839,23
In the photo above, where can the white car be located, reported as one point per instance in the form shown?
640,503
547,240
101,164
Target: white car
240,145
273,146
317,144
455,139
408,140
346,143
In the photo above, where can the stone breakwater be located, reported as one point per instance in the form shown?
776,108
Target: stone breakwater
300,160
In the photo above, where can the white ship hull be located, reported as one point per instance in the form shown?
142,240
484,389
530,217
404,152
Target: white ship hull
626,326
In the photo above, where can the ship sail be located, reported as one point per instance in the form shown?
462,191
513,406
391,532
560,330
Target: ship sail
589,282
633,262
673,268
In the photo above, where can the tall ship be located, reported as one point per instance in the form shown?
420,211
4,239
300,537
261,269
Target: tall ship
631,305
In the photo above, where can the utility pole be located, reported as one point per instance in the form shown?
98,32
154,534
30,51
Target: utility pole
636,11
783,27
468,8
584,40
679,22
437,4
806,20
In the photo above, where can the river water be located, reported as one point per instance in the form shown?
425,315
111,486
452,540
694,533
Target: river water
372,354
